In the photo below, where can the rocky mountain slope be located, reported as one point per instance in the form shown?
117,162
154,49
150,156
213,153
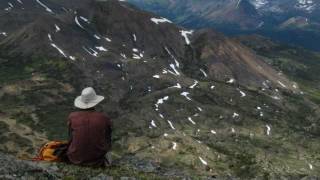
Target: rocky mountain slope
193,103
299,64
291,21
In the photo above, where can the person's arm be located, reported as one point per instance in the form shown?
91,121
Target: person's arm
69,130
109,134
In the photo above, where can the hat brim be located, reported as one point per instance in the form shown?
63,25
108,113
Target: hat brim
81,105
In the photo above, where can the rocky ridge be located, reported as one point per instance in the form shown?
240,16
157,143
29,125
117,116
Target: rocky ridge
195,101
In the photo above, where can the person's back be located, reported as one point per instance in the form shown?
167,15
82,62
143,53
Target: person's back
90,131
90,137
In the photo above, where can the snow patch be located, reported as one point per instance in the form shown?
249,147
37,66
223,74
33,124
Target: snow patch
3,33
153,124
161,116
174,145
134,37
268,130
85,19
238,3
176,72
72,58
171,125
190,119
194,84
91,51
242,93
123,55
43,5
172,56
50,37
101,48
235,115
97,37
60,50
108,39
185,35
259,3
10,7
203,161
135,56
233,130
310,166
261,114
307,5
186,94
231,81
282,84
177,86
57,28
204,73
161,100
276,97
156,76
160,20
78,23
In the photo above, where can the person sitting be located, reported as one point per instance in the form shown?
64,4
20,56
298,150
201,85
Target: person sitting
89,131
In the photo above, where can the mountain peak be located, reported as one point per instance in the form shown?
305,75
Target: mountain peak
195,100
130,29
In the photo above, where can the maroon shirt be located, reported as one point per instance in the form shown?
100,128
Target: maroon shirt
90,133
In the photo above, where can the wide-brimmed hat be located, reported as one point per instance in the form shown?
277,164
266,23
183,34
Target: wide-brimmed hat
88,99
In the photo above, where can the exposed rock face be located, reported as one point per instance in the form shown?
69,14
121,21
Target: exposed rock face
130,30
190,103
229,60
11,168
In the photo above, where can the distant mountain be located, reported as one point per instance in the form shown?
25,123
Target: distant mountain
185,104
265,17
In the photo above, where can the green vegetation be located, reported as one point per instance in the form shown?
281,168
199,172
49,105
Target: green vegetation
298,64
40,96
38,82
3,129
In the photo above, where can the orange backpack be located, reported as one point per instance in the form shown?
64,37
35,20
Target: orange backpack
47,151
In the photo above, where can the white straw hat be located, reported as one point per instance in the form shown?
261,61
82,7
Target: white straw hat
88,99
